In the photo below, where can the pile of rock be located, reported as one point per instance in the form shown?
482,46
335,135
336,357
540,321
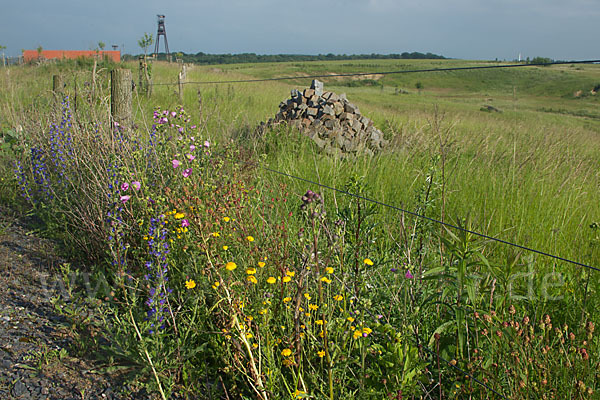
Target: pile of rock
330,120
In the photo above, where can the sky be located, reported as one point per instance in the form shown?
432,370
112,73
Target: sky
466,29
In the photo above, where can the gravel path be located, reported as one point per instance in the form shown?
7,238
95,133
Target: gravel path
35,341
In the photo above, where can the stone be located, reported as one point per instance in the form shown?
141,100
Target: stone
309,93
312,111
338,108
314,100
19,389
328,110
346,116
317,86
351,108
333,98
295,93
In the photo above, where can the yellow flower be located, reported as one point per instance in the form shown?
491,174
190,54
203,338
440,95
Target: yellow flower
325,279
271,280
254,345
368,261
307,296
286,352
190,284
313,307
215,285
251,271
216,234
298,393
338,297
261,264
286,279
249,335
230,266
357,333
350,319
252,278
329,270
225,247
263,311
250,239
367,330
290,273
321,353
286,299
319,322
179,215
226,219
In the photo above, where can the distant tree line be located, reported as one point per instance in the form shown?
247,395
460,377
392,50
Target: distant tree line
203,58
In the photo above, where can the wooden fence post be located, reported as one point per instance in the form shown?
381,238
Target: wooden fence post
57,84
180,84
120,96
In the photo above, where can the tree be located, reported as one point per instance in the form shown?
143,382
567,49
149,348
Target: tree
145,42
101,45
39,51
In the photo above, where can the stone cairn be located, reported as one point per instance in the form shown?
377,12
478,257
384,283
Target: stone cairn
331,121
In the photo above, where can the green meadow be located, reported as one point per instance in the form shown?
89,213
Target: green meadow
350,299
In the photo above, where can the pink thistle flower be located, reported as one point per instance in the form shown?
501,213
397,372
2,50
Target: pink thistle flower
192,147
408,275
191,137
191,157
176,163
136,185
185,223
180,129
124,199
124,186
206,143
173,114
187,172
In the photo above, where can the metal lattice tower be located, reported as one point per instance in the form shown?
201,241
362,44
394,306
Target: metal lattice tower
161,32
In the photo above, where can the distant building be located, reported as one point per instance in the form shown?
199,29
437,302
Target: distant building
32,55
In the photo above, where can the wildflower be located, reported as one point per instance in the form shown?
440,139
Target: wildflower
325,279
214,234
357,333
350,319
252,278
329,270
299,394
250,239
286,352
186,172
225,247
261,264
271,280
124,186
249,335
321,353
215,285
190,284
191,157
366,331
286,299
254,345
230,266
338,297
176,163
136,185
192,147
319,322
124,199
206,143
290,273
179,215
368,261
408,275
185,223
307,296
251,271
313,307
286,279
226,219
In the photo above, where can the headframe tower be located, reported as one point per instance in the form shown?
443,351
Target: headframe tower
161,32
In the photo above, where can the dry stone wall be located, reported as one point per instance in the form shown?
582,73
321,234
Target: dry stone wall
330,120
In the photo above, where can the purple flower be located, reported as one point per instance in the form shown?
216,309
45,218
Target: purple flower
206,143
191,137
191,157
187,172
136,185
180,129
124,186
124,199
394,270
176,163
192,147
173,114
185,223
408,275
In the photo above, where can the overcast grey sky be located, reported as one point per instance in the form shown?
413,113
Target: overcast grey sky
469,29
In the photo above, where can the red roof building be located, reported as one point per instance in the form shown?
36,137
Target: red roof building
31,55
